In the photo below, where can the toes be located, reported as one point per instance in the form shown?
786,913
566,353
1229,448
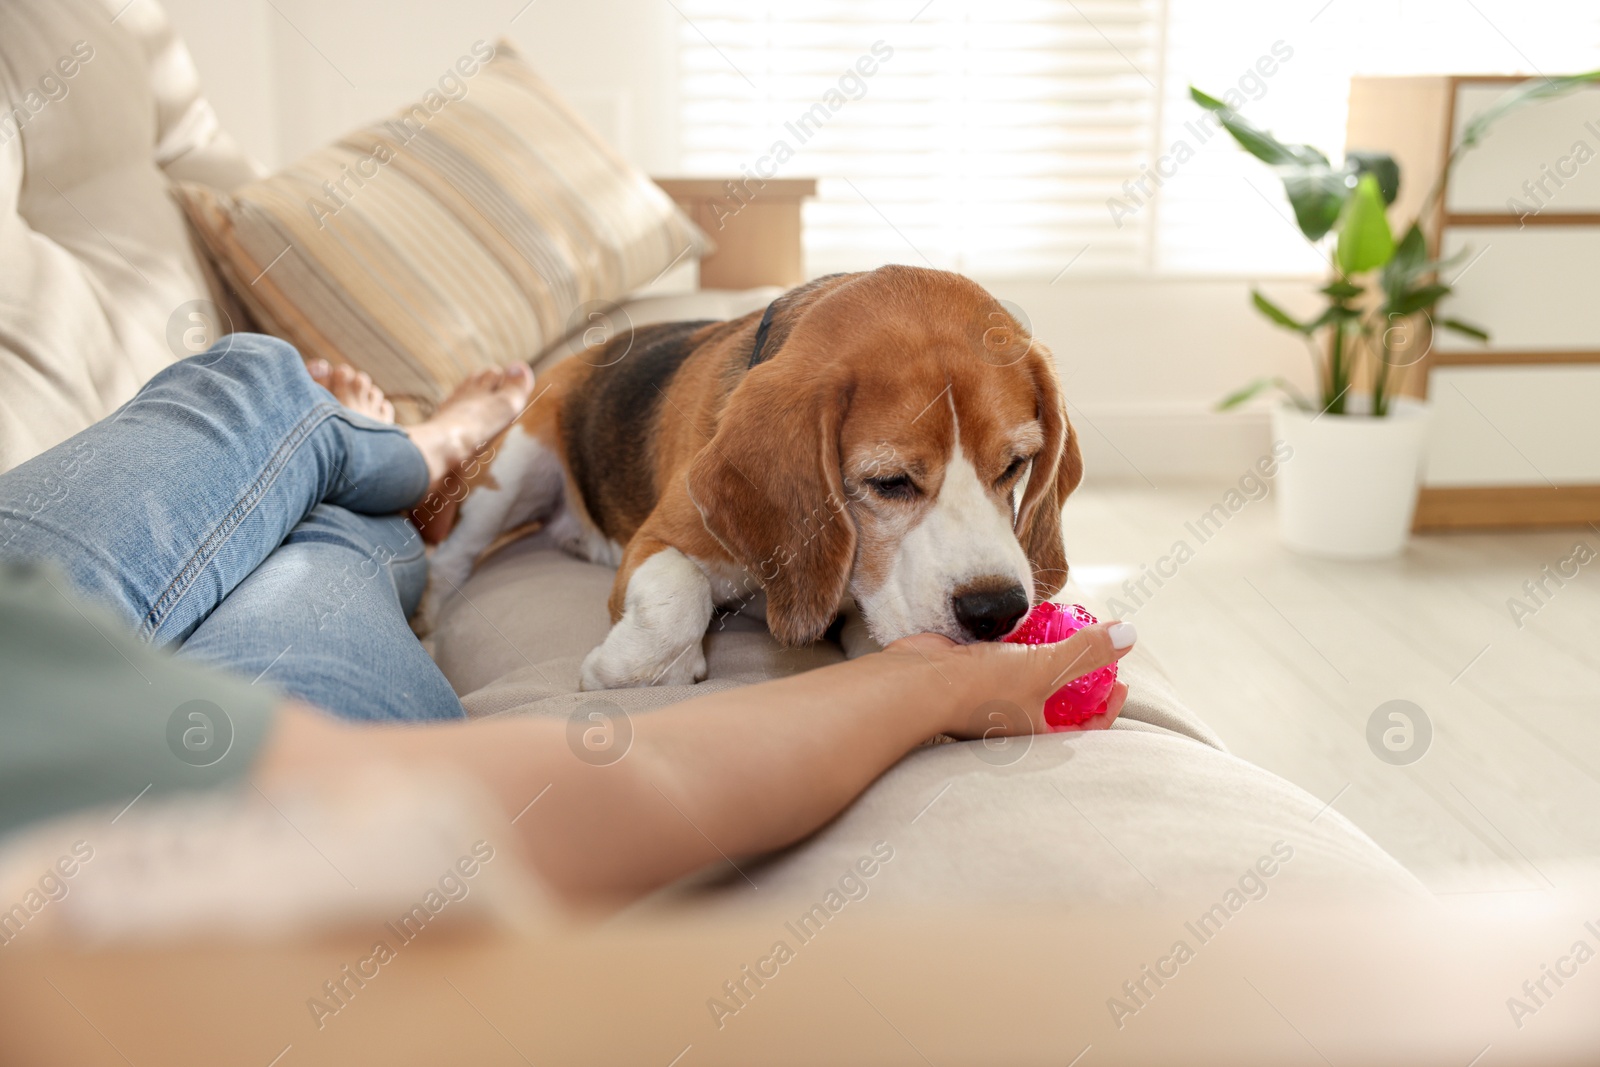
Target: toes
319,369
517,376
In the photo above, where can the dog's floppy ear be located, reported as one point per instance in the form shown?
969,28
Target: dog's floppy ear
1056,472
768,485
768,488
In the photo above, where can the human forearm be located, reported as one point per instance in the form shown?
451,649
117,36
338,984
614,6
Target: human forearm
728,774
756,769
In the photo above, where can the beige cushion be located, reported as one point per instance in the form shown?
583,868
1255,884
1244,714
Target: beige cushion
1153,807
96,262
462,233
1133,813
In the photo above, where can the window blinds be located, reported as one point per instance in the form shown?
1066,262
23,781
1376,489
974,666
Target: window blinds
1027,138
987,139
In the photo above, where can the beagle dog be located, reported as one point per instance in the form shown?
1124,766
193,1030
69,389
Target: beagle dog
892,436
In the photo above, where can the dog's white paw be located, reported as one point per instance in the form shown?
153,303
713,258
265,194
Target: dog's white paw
614,665
659,639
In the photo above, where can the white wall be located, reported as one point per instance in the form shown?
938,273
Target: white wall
289,75
1143,359
232,45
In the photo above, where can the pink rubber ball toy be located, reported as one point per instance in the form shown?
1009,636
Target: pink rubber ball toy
1082,698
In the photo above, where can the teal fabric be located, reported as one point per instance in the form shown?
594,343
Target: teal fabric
91,715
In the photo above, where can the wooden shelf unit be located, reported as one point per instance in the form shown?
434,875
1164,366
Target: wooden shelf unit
1516,434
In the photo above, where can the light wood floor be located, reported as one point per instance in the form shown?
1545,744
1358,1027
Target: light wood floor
1287,657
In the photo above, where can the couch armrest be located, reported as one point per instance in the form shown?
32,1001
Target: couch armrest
755,224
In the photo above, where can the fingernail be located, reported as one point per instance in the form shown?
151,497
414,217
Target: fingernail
1122,635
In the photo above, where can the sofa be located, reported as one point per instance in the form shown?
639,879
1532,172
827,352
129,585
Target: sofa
99,273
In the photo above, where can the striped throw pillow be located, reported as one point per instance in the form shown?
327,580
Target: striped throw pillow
460,234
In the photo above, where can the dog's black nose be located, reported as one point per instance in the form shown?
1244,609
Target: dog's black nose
988,614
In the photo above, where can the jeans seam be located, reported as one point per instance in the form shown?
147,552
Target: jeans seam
421,553
247,502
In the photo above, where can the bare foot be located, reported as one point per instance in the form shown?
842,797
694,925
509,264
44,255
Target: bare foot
353,389
469,418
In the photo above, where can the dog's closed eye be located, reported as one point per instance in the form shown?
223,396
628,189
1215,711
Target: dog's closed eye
1014,469
894,487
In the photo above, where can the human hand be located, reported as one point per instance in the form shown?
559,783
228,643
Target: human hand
1000,689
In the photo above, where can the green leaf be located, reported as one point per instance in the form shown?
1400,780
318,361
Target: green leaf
1381,166
1410,260
1317,195
1255,140
1334,313
1249,392
1316,191
1259,386
1342,290
1252,139
1448,261
1415,300
1365,240
1464,328
1276,313
1530,91
1412,250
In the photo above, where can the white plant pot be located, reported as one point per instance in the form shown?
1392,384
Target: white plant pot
1349,488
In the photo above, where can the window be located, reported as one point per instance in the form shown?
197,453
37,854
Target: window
1018,138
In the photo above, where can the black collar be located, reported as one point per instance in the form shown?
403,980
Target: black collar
761,334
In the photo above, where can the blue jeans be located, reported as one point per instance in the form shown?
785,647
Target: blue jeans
235,510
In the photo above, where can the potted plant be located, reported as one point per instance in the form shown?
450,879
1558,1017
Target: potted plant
1350,488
